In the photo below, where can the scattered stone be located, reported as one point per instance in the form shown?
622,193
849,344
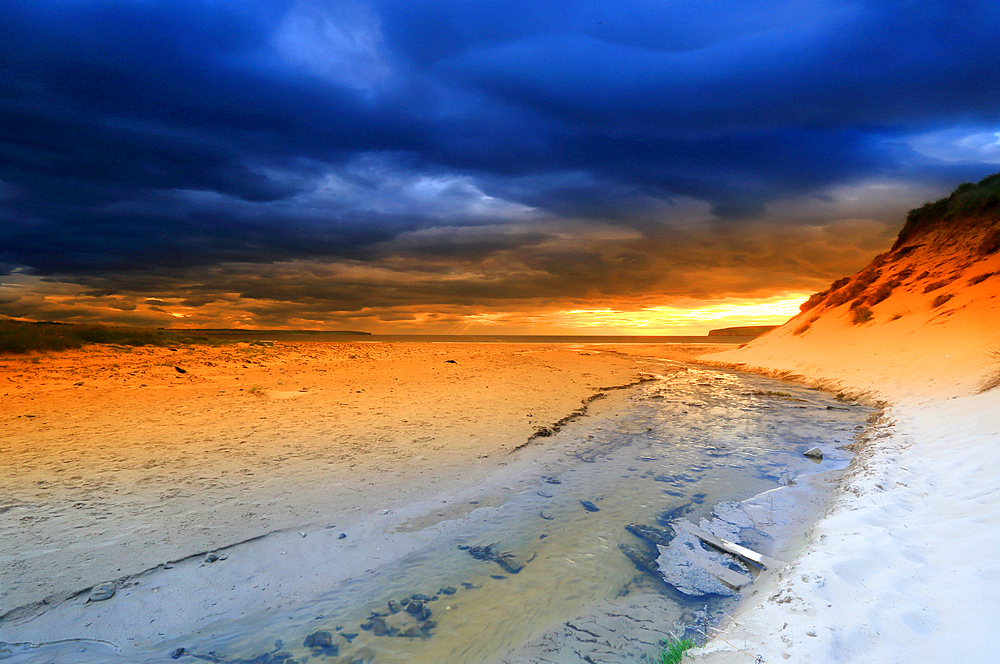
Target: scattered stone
342,536
589,506
814,453
450,362
448,590
468,586
211,558
379,627
463,547
176,653
838,408
507,560
321,642
102,591
642,560
552,480
654,535
544,494
420,596
498,577
411,632
404,601
394,606
350,636
415,606
180,371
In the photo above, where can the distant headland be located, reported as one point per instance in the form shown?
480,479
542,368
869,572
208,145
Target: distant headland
746,331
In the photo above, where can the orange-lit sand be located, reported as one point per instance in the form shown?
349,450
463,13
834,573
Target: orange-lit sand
114,462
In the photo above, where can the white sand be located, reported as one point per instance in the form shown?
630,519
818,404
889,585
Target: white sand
906,567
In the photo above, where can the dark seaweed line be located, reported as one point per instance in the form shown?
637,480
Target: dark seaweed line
555,427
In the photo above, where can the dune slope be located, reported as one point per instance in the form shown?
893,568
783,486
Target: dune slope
905,563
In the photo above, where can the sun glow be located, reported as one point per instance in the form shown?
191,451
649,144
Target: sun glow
694,317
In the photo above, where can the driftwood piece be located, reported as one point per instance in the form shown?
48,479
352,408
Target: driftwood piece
721,572
758,559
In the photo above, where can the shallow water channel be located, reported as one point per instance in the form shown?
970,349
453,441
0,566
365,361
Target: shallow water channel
679,445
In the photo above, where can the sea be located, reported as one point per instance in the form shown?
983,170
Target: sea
348,337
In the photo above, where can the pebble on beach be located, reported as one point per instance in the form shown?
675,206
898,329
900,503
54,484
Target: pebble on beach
102,591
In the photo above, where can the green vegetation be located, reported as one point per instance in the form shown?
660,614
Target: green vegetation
861,315
981,278
968,200
674,651
804,327
777,395
770,393
941,299
992,381
24,337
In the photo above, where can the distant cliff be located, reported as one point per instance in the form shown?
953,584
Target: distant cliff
746,331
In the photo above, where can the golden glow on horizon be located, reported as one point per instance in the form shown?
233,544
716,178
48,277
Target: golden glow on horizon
696,318
69,303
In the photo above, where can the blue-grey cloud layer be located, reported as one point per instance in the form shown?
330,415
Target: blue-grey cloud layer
141,138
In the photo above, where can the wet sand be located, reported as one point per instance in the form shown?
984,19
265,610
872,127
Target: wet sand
116,461
348,457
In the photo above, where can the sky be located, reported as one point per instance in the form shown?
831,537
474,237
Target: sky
474,166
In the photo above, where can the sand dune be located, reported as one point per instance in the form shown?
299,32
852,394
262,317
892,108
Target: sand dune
906,563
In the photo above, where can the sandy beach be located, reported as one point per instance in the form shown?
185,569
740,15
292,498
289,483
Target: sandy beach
120,460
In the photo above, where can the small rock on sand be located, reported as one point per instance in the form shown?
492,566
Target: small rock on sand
102,591
814,453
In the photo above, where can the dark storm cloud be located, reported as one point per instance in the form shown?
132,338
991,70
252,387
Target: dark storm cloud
141,140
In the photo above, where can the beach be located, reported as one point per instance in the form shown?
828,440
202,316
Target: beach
276,458
118,461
